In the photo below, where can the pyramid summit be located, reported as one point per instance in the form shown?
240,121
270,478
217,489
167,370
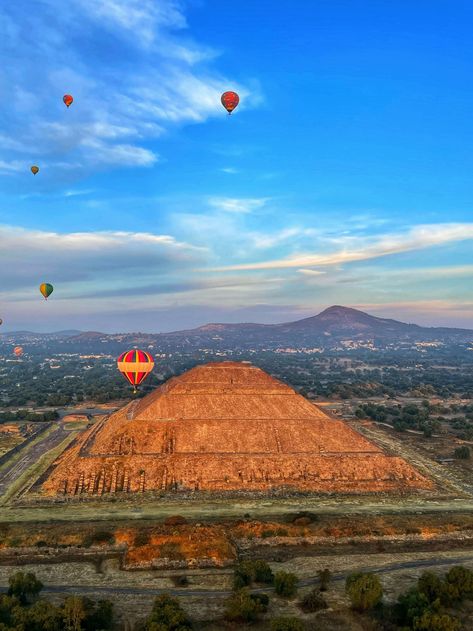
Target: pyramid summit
226,426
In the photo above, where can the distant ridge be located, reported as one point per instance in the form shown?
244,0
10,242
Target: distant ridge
325,330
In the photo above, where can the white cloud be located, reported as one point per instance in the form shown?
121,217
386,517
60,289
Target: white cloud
148,79
238,205
351,249
99,258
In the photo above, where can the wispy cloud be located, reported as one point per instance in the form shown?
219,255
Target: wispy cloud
238,205
351,249
148,78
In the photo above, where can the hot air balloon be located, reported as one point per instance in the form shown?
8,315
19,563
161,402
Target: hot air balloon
67,98
46,289
1,321
135,366
18,351
34,169
230,100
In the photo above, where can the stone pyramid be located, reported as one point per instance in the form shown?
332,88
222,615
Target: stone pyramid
226,426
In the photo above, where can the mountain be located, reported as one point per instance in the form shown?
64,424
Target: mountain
329,327
334,327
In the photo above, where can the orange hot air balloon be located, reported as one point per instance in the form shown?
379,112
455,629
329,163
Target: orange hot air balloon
67,98
18,351
46,289
34,169
229,101
135,366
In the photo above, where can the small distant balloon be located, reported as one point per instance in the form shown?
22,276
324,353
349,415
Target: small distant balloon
135,366
1,321
46,289
34,169
18,351
230,100
67,98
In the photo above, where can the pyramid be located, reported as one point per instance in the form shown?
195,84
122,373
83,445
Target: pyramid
226,426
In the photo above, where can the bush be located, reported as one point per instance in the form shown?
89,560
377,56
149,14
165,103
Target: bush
462,453
313,601
262,600
167,614
242,607
364,589
434,621
285,584
287,624
248,571
100,537
325,576
262,572
24,586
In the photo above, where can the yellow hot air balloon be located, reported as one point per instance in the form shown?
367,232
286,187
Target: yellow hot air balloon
34,169
46,289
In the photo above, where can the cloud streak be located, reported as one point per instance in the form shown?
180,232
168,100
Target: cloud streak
352,249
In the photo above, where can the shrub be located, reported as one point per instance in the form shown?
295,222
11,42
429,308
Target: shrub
285,584
434,621
431,586
24,586
248,571
325,577
364,589
167,614
313,601
284,623
242,607
262,600
99,538
262,572
462,453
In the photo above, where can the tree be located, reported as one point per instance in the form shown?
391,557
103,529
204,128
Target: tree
262,572
313,601
434,621
458,584
324,577
24,586
285,584
44,616
242,607
100,616
167,615
364,589
74,612
284,623
431,585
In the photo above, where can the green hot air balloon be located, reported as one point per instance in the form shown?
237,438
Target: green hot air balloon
46,289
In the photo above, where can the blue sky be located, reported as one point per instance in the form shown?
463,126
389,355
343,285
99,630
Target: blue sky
345,176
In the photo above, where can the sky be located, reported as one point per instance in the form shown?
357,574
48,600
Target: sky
345,176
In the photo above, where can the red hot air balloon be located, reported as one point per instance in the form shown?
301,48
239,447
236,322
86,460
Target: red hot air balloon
18,351
67,98
135,366
230,100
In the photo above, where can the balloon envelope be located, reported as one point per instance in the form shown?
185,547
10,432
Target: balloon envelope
229,101
46,289
67,98
18,351
1,321
34,170
135,366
